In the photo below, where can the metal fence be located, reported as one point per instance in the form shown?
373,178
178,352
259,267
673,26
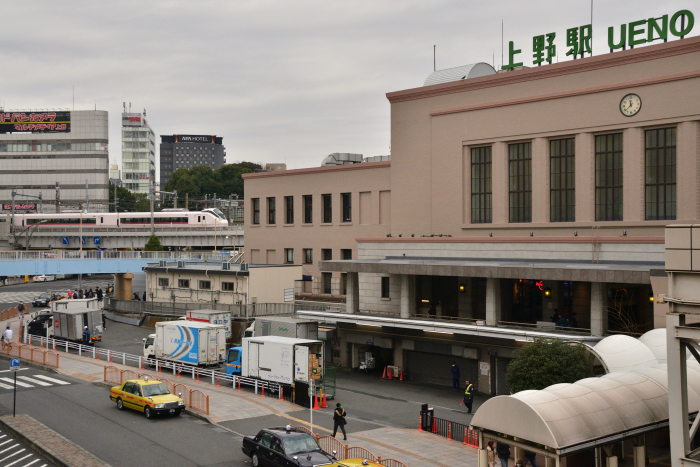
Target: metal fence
340,451
32,353
177,308
453,431
93,254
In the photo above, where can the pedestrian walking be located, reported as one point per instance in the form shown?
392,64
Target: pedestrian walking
339,420
104,321
144,295
136,297
491,454
86,336
503,452
455,376
70,294
75,294
7,338
468,399
530,457
99,294
20,309
81,294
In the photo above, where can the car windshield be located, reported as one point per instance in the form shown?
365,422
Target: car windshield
296,445
155,390
44,295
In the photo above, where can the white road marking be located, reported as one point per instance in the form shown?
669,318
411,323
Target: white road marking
48,378
19,383
7,450
5,386
8,441
7,371
19,460
32,462
35,381
13,454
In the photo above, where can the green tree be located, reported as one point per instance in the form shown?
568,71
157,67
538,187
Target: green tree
128,201
154,244
545,362
202,180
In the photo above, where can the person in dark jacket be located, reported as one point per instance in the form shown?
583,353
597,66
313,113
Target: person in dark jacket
99,294
468,396
503,452
86,336
144,295
136,297
455,376
339,420
81,294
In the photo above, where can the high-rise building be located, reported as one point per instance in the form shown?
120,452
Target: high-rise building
187,151
115,175
138,153
60,155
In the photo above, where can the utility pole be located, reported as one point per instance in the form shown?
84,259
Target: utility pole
187,201
116,200
153,194
228,210
58,196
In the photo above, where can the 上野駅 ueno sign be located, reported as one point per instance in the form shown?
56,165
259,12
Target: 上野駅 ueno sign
578,39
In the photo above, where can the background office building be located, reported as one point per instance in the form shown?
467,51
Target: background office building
41,150
115,175
186,151
138,153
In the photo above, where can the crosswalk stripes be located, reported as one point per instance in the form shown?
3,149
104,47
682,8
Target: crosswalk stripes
16,453
19,383
53,380
35,381
30,381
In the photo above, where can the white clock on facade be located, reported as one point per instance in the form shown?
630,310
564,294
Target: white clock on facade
630,105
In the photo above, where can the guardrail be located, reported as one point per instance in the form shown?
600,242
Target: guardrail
32,353
94,254
9,313
340,451
195,399
454,431
178,370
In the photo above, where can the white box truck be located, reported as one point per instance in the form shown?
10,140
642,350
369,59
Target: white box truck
189,342
283,327
212,317
282,359
71,316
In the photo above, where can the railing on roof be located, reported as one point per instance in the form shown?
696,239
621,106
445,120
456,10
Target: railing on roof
107,255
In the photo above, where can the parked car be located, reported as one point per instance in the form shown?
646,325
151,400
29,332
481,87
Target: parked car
285,446
44,278
46,297
146,395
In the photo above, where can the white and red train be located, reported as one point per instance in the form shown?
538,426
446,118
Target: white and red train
206,218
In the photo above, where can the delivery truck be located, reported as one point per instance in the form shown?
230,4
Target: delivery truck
190,342
212,317
283,327
71,316
283,360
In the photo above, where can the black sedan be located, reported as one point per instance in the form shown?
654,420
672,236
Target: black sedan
45,298
285,447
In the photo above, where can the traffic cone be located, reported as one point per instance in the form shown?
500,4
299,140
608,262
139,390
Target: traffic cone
262,394
434,430
420,422
217,380
401,375
324,405
160,367
281,394
384,374
316,407
391,373
449,431
197,374
110,356
178,370
465,436
239,384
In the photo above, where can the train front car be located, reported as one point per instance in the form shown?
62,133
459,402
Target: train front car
218,217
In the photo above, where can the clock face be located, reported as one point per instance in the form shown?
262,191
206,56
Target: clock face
630,105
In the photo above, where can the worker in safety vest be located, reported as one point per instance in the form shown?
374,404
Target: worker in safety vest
468,396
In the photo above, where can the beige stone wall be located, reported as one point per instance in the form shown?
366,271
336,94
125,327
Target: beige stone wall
369,185
267,285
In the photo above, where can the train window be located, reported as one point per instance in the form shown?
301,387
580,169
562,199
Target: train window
102,220
199,218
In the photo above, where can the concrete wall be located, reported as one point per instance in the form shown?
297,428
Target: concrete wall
267,285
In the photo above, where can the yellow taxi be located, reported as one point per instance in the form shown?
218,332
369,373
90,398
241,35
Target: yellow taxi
358,462
146,395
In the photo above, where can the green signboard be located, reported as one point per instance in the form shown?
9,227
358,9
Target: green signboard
578,39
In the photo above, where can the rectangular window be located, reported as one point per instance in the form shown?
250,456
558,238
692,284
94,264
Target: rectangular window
385,288
271,211
608,177
326,280
289,209
346,199
289,255
326,254
327,208
346,253
256,211
562,180
204,285
227,286
308,255
481,185
183,283
520,182
308,209
344,283
163,281
660,174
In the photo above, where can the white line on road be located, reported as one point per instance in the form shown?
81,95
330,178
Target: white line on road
19,383
5,386
19,460
32,462
8,450
35,381
47,378
7,371
8,441
13,454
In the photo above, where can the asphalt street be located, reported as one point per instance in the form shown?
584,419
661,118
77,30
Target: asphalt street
83,413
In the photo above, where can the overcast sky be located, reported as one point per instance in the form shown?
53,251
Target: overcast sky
285,81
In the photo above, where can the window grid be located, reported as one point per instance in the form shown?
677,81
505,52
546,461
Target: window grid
660,173
481,185
308,209
271,211
289,255
608,177
327,209
256,211
562,180
289,209
386,290
327,283
308,255
346,201
520,182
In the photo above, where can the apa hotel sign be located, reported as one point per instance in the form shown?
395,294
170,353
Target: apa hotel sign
578,39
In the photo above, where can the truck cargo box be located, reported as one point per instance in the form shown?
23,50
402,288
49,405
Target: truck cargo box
190,342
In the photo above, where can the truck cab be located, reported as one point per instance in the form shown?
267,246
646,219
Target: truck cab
39,325
149,350
234,360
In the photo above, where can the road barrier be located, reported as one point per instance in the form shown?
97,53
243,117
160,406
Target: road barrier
340,451
193,398
454,431
9,313
29,352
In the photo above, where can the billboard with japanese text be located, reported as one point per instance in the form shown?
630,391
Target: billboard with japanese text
35,122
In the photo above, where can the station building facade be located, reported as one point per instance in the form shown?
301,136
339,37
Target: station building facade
524,204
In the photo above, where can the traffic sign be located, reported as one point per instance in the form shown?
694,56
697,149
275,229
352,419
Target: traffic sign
96,240
65,240
14,364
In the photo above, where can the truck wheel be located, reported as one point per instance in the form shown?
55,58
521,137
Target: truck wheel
149,413
120,404
256,460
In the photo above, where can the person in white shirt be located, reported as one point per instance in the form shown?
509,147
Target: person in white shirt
7,335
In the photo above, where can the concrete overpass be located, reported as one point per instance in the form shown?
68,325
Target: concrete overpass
175,237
